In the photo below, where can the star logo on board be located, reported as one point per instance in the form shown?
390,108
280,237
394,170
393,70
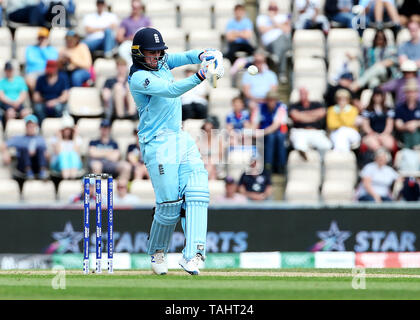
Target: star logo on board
333,239
67,240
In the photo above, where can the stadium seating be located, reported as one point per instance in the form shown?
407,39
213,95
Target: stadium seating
5,44
216,189
308,43
104,69
50,127
302,192
195,13
144,190
38,192
84,102
14,127
9,191
337,192
369,34
24,36
68,189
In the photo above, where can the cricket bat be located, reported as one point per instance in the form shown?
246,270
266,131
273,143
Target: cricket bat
211,69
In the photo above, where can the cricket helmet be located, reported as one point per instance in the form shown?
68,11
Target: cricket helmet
148,39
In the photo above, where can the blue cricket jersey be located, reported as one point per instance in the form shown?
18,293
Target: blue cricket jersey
157,95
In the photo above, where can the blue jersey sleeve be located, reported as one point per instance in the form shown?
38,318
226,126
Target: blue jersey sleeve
183,58
145,83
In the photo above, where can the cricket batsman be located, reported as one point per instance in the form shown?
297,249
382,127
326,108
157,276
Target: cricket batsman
177,172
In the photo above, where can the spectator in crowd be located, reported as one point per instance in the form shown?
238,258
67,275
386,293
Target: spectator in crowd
211,148
378,123
134,158
275,31
13,93
101,27
340,11
407,116
344,82
104,155
25,11
310,17
377,179
231,193
116,95
379,61
380,11
341,122
272,118
239,31
66,158
128,28
36,57
396,86
239,118
410,50
194,102
409,10
411,189
75,59
30,151
256,184
256,87
51,93
122,197
308,125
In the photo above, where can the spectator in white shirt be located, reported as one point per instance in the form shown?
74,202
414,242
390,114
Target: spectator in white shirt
275,31
309,16
100,28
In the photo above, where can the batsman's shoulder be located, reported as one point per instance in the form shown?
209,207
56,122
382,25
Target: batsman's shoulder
140,78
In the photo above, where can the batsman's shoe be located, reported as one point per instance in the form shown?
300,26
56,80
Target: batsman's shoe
191,266
159,265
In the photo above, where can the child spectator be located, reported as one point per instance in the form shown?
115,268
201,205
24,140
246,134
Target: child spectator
239,32
75,59
194,102
256,185
30,151
36,58
51,92
407,116
128,28
308,125
116,94
100,28
378,123
341,122
66,146
13,93
104,155
239,118
134,158
231,193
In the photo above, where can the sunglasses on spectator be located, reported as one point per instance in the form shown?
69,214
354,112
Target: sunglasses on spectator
272,8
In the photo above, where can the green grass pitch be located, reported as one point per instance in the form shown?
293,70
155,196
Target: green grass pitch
212,285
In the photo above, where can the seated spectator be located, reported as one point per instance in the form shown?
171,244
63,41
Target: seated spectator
341,122
128,28
122,197
30,151
378,62
36,58
51,93
380,11
75,59
239,118
377,179
100,28
66,158
271,116
396,86
116,94
411,189
309,16
344,82
211,148
194,102
25,11
104,155
231,193
409,10
275,31
13,93
410,50
239,31
378,123
407,116
256,87
340,11
134,158
308,125
256,184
